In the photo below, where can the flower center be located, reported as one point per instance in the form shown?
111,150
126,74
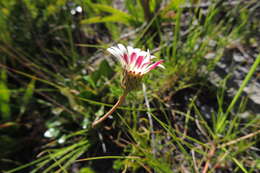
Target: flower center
131,80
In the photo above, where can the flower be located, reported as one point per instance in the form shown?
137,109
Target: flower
135,62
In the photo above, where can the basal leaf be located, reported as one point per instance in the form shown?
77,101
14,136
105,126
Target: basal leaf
4,97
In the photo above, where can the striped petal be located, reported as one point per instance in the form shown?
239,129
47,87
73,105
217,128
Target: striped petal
139,61
134,60
153,66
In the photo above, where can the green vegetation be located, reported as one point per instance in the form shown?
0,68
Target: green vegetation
56,78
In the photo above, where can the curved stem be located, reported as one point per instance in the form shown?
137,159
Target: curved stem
118,103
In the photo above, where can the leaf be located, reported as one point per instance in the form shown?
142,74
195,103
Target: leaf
51,133
4,97
72,101
86,170
177,3
27,96
112,10
104,70
240,165
173,5
116,15
98,19
90,81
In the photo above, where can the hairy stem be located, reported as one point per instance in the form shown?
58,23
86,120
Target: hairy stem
118,103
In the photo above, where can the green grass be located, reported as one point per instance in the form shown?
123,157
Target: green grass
57,78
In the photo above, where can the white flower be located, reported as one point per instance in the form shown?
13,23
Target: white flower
136,63
134,60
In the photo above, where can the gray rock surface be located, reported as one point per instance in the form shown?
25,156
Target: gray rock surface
238,65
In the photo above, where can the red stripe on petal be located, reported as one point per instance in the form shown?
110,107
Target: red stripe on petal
139,61
132,58
125,58
145,64
155,65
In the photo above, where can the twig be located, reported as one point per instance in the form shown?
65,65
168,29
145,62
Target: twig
221,159
132,32
194,161
150,119
102,142
210,155
118,103
147,12
240,139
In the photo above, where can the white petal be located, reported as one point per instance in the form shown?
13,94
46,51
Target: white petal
114,52
160,65
130,50
137,50
142,53
144,63
117,54
122,48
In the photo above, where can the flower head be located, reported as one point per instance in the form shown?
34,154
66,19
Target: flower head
134,60
135,63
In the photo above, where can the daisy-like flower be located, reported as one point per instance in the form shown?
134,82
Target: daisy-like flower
134,60
136,63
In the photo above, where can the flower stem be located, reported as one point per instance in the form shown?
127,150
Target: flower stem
118,103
